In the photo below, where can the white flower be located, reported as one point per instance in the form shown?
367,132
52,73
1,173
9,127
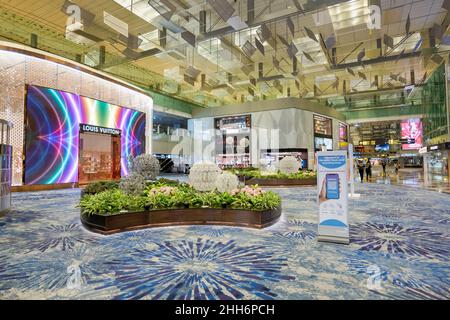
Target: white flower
227,182
289,165
203,176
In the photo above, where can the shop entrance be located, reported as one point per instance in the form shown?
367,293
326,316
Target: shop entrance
99,157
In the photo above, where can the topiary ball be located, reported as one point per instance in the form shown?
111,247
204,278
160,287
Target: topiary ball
203,175
289,165
227,182
146,165
133,184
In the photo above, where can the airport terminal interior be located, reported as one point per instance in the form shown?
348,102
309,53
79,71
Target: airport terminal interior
225,149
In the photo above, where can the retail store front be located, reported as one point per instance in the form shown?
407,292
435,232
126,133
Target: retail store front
437,159
99,154
71,138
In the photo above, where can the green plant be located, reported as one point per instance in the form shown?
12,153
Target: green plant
105,203
115,201
306,174
100,186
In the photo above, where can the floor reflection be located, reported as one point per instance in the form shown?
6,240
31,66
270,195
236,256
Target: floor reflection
413,177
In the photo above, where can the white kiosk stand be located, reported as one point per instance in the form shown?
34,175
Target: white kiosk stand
352,177
332,196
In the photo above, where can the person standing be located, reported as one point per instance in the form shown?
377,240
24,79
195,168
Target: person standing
361,170
368,170
383,164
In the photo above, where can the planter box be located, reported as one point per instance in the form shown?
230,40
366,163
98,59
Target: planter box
174,217
281,182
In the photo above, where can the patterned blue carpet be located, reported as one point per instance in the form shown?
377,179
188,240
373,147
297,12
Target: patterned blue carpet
400,244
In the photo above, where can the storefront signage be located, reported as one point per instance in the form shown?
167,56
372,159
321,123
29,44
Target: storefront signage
332,196
432,148
441,146
407,141
423,150
97,129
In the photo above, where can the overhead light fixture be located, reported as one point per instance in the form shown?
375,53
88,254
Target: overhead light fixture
437,31
408,24
236,23
275,62
400,55
115,24
189,37
292,50
264,33
361,54
222,8
247,69
308,56
290,26
310,34
163,7
418,44
248,48
388,41
362,75
446,5
330,42
298,6
260,46
446,40
283,41
192,72
436,58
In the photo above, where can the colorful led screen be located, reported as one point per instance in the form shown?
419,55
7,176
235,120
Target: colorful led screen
53,121
412,129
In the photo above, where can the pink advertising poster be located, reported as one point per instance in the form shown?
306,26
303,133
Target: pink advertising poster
412,129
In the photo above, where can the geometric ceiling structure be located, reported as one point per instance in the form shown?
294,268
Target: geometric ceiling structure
220,52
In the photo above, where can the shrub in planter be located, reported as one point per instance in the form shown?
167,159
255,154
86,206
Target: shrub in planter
289,165
226,182
203,175
115,201
133,184
147,166
100,186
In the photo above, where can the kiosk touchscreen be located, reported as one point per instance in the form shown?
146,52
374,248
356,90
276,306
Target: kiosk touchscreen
332,186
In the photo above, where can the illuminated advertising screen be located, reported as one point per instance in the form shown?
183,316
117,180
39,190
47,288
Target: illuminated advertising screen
53,121
322,126
412,129
319,142
343,132
343,136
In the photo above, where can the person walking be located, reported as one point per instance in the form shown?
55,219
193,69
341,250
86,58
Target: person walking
368,170
383,164
361,170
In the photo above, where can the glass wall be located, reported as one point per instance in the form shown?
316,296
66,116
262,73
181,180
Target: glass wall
434,105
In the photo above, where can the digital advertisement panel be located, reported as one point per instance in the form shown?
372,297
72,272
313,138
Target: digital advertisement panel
53,121
332,196
412,129
343,136
322,125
